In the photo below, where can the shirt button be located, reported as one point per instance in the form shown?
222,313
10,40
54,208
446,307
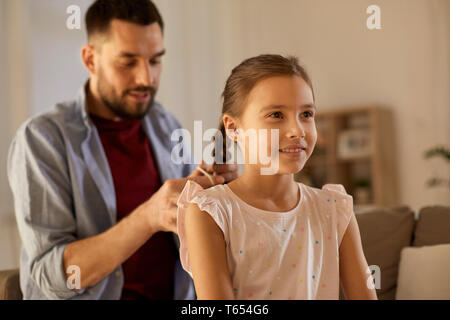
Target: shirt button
117,273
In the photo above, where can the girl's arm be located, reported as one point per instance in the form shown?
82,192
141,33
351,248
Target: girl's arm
207,255
353,265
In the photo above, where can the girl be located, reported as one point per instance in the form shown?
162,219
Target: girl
267,236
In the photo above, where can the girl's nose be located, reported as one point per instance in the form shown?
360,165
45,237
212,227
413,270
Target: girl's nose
296,130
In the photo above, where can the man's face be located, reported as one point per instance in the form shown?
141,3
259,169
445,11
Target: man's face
129,68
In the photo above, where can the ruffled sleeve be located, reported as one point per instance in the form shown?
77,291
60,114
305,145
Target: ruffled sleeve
208,202
344,207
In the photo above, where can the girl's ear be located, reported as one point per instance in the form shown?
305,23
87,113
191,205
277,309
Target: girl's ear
230,125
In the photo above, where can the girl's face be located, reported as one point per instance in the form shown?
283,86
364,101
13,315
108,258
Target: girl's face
285,103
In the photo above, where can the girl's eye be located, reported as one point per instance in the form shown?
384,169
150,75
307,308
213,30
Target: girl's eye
308,114
276,114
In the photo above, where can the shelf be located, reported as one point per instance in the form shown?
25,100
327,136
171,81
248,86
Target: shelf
355,159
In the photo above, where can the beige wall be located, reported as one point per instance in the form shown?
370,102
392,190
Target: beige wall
13,85
34,74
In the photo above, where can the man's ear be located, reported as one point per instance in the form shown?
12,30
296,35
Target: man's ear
230,125
87,56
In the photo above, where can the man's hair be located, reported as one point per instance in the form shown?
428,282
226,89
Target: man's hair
101,12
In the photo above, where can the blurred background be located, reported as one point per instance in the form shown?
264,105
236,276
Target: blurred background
383,95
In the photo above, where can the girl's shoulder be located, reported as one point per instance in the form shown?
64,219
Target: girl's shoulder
212,198
212,201
209,201
336,191
329,194
327,190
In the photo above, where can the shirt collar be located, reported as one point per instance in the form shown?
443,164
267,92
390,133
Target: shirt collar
82,103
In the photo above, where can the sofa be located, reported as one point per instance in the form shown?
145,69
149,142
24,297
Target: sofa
411,250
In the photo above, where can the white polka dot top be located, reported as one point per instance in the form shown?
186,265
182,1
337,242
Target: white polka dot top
276,255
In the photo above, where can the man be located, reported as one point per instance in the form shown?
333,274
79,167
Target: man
94,189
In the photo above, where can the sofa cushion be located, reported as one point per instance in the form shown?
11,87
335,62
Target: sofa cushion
384,233
433,226
423,273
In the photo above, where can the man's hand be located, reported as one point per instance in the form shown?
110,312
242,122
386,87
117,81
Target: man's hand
99,255
161,208
228,171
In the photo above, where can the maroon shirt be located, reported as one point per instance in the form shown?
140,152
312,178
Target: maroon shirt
149,272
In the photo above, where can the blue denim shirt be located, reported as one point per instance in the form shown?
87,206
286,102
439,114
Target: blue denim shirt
64,192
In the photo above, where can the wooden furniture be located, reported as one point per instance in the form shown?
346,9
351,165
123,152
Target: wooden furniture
355,148
10,285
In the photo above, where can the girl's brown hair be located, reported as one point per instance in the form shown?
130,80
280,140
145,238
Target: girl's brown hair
246,75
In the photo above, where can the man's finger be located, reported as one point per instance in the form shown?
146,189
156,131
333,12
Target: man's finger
205,182
204,166
229,176
196,173
173,227
222,168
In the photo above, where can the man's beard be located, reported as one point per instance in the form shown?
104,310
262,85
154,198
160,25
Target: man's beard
119,106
